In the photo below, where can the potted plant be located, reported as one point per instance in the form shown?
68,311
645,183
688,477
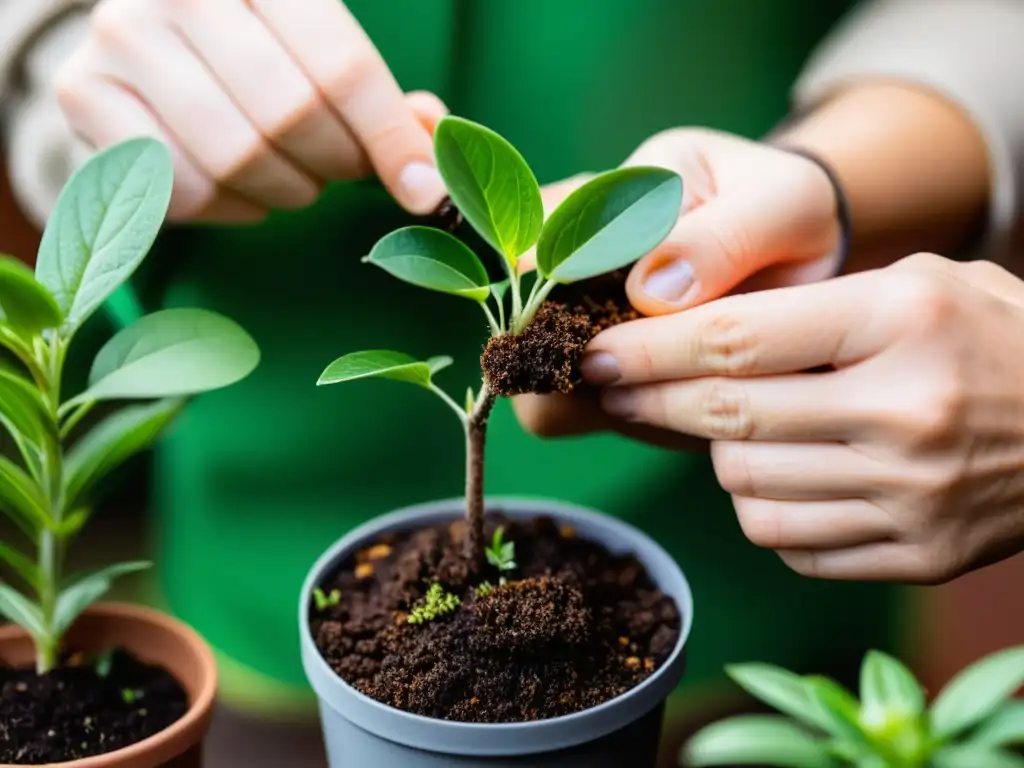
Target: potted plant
87,685
540,633
972,723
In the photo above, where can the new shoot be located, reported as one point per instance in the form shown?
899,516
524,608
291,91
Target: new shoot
609,222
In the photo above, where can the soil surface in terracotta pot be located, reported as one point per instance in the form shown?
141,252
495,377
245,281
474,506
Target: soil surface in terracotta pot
74,712
574,625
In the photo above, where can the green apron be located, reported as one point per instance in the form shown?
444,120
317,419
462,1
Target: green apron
258,479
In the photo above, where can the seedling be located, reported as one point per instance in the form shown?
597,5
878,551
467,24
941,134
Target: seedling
972,723
483,589
104,663
130,695
324,600
435,603
501,554
607,223
103,225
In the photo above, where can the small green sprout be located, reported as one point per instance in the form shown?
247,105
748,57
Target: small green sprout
103,224
607,223
972,723
130,695
104,662
324,600
436,603
484,589
501,554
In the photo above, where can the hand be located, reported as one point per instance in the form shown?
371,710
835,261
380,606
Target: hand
753,217
902,462
260,101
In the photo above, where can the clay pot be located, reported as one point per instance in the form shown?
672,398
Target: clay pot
156,639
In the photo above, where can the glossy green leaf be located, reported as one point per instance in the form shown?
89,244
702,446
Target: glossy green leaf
609,222
439,363
20,564
27,306
780,688
839,708
974,756
498,290
21,500
888,688
73,522
756,740
23,612
84,592
431,258
171,353
491,185
112,442
20,413
977,692
1005,726
382,364
103,225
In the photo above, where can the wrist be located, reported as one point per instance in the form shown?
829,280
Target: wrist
881,142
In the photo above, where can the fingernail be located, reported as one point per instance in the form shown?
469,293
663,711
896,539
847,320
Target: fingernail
619,402
600,368
422,186
672,282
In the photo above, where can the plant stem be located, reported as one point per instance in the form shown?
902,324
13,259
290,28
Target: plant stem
496,328
537,297
52,487
460,412
476,442
517,297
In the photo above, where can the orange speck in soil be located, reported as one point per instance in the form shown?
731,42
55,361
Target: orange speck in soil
632,662
364,571
378,552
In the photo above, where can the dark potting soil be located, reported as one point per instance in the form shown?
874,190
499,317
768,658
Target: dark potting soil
72,712
546,356
573,627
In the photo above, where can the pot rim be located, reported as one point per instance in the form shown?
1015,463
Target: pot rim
200,705
500,739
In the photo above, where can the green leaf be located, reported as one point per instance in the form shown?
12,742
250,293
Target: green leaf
888,688
973,756
780,688
438,363
431,258
86,591
498,290
382,364
103,225
839,708
609,222
21,500
19,609
756,740
491,185
171,353
21,565
21,412
977,692
112,442
26,304
1004,727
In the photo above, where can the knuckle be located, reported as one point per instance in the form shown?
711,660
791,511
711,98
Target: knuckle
804,562
986,271
936,563
347,76
732,242
921,260
303,106
923,302
726,346
937,417
732,469
725,411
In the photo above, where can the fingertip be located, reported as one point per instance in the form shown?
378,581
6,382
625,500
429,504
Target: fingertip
428,108
662,283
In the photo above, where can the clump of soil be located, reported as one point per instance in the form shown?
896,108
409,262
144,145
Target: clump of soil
546,356
72,712
573,627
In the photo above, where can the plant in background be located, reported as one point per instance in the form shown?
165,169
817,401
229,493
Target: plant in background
971,723
501,554
606,224
103,225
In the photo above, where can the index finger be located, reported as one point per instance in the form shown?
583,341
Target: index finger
777,331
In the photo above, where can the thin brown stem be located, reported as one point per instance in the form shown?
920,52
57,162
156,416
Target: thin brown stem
476,443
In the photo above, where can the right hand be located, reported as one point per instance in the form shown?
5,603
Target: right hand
260,102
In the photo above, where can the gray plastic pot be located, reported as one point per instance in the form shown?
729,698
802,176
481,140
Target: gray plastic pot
360,732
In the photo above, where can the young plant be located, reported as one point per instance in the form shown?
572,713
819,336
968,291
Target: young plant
103,225
325,600
435,603
972,723
501,554
604,225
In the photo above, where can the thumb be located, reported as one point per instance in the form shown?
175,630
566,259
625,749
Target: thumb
717,246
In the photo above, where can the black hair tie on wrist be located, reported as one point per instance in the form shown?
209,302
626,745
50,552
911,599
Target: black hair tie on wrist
842,205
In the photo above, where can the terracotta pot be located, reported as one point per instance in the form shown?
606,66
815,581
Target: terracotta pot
156,639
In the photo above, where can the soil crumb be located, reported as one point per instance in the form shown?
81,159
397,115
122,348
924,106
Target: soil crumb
72,712
546,356
573,626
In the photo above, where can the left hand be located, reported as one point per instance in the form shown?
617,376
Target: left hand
904,461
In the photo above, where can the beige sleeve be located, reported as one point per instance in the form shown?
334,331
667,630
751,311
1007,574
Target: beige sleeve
41,151
970,51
